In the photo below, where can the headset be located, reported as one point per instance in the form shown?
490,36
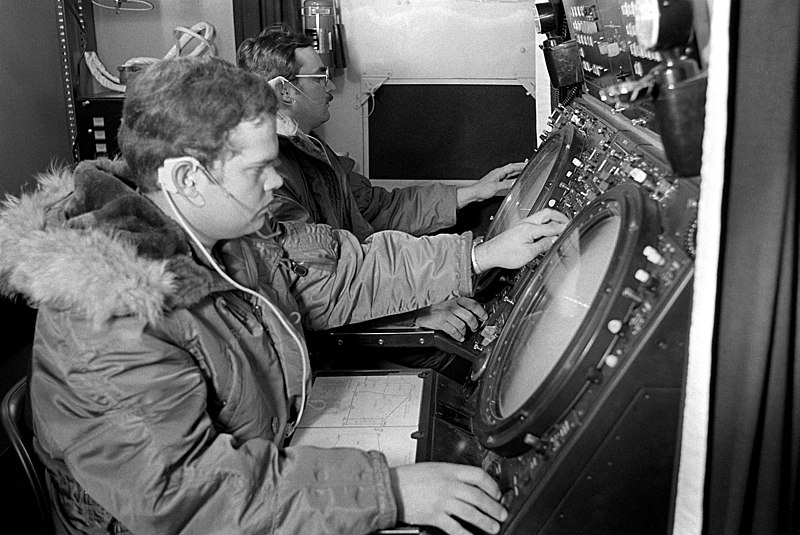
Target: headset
166,171
169,187
280,79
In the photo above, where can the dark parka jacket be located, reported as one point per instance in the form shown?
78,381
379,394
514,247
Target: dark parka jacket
320,187
161,396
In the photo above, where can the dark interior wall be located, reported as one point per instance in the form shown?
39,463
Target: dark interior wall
34,133
33,114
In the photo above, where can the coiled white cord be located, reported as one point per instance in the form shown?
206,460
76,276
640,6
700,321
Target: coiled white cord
124,5
303,353
202,31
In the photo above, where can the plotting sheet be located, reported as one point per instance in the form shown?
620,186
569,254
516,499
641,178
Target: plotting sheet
369,412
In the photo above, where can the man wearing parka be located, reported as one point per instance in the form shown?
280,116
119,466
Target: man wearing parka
321,187
162,387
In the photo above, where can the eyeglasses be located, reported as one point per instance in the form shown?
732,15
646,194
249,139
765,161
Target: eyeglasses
323,76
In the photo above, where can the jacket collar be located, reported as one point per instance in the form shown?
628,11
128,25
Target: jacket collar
85,241
289,129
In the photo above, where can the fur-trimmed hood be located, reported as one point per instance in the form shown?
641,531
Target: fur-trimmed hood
85,241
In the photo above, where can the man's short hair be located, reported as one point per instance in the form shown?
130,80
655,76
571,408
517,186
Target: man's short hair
271,53
187,107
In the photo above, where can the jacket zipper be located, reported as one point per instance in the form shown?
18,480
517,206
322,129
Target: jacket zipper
252,282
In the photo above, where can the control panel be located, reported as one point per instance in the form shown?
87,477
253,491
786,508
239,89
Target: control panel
615,151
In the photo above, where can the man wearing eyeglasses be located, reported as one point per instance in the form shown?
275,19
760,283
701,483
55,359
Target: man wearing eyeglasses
320,187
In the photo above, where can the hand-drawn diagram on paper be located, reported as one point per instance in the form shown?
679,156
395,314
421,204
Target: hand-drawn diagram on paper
369,412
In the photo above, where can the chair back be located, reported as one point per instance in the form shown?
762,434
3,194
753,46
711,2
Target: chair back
12,415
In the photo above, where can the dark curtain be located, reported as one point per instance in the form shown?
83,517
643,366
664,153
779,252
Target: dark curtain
252,16
754,434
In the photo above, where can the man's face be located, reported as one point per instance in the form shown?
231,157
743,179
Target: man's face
242,183
311,108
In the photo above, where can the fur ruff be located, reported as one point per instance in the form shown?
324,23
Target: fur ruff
88,269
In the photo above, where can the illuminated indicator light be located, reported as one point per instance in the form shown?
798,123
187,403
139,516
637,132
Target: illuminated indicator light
612,361
638,175
614,326
551,203
576,162
653,255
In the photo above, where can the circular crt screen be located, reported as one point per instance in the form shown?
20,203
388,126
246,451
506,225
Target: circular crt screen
520,200
543,331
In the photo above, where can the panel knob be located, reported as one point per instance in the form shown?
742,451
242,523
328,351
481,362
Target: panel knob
614,326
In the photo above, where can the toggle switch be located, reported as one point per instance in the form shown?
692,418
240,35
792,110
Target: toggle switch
632,295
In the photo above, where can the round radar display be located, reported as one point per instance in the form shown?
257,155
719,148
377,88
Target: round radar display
557,332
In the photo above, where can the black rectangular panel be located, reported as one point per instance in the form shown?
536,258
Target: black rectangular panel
448,131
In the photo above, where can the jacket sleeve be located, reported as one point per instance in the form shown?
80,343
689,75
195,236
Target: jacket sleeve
417,210
127,410
390,273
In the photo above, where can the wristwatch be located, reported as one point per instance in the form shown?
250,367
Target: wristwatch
476,270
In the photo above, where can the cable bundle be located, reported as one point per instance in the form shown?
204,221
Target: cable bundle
202,31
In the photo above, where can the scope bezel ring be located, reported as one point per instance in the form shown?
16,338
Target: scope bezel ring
551,400
570,144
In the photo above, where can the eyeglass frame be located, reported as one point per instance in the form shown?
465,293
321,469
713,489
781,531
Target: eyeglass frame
326,76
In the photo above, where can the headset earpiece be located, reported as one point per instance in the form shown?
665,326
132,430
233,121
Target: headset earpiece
169,178
279,86
278,80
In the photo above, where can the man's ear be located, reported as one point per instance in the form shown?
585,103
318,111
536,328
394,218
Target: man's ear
285,96
180,176
281,86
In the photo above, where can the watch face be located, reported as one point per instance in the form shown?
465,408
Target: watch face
648,16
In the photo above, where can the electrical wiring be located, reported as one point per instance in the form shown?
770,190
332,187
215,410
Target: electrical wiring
202,31
124,5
